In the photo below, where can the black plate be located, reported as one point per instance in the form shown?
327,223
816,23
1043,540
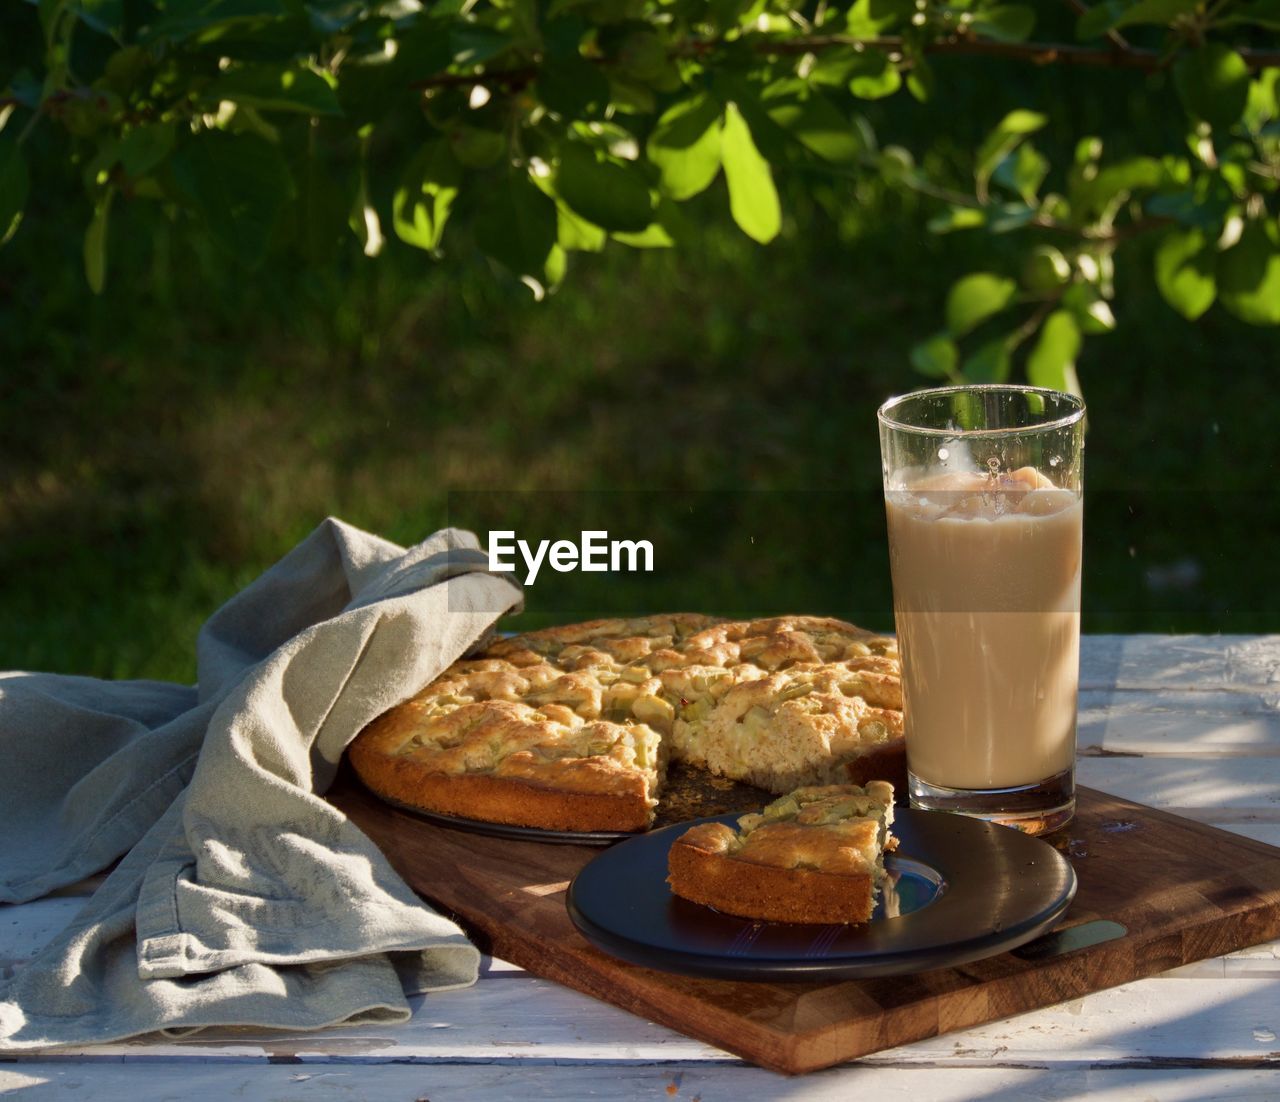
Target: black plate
963,889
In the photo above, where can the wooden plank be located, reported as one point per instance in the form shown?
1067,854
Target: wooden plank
1169,1020
1227,790
1183,891
1184,1018
1142,723
1259,829
1176,698
166,1082
1232,662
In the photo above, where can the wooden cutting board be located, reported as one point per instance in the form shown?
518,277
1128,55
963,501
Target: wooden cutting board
1182,890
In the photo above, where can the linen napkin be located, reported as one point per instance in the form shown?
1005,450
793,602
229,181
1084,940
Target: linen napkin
242,898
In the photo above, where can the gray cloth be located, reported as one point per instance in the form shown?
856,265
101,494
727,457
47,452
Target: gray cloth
243,897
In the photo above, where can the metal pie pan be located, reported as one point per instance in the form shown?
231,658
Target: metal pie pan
512,832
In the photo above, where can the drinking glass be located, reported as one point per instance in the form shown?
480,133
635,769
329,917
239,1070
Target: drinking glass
983,496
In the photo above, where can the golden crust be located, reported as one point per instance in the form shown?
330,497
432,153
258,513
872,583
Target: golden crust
816,855
848,849
588,713
499,800
767,892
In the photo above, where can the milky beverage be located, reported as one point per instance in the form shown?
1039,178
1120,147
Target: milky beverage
986,586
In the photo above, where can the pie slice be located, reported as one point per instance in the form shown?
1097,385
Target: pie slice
815,855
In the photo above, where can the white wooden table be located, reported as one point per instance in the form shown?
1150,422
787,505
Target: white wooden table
1190,724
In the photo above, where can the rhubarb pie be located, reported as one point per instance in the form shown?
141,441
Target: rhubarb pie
572,728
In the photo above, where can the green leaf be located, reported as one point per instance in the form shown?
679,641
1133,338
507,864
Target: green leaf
653,237
685,146
1264,103
1088,150
631,97
95,244
817,124
516,225
562,34
183,19
1008,217
1023,171
874,76
1005,22
606,193
145,146
990,364
1091,311
1213,83
1118,13
424,49
476,43
425,196
556,267
871,18
574,233
1020,122
269,87
15,184
898,167
1115,183
832,67
668,227
332,16
1204,206
936,357
920,79
1249,275
572,86
772,142
956,218
1045,270
1052,361
477,148
1003,140
237,185
727,13
642,56
975,298
1185,267
753,199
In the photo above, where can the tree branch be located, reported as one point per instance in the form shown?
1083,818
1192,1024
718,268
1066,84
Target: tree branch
1035,53
1149,224
511,79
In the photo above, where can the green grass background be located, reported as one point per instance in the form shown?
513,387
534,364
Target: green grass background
165,442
